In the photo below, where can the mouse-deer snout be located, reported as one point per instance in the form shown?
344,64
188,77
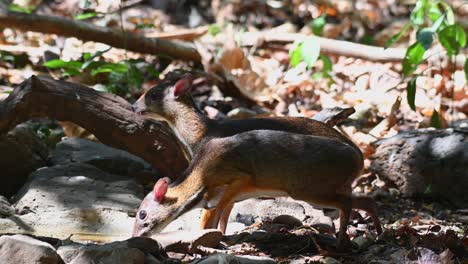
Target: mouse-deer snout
139,106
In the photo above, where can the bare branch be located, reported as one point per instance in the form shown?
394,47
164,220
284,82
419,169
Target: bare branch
107,116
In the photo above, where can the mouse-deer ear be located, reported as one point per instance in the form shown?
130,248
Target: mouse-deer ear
160,189
182,86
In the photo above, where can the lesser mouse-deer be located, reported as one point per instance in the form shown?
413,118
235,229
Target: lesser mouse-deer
173,103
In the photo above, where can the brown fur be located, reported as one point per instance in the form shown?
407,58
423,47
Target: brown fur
212,167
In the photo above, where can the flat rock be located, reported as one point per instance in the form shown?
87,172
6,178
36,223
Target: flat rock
75,199
21,152
108,159
230,259
27,250
188,241
287,220
426,162
252,210
134,250
187,221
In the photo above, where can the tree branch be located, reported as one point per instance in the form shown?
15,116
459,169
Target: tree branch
107,116
89,32
339,47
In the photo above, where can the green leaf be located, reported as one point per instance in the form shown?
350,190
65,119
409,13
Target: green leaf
86,16
89,58
327,63
310,51
435,120
414,56
214,29
317,76
367,40
448,12
144,25
452,38
111,67
417,15
86,56
428,190
434,11
295,54
466,69
411,92
60,64
152,71
424,36
318,24
92,65
20,9
70,72
437,24
397,36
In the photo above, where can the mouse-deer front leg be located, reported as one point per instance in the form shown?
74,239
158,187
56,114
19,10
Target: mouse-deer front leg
225,217
207,218
209,215
225,204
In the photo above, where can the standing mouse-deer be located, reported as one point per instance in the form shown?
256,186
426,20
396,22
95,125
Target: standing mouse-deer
228,159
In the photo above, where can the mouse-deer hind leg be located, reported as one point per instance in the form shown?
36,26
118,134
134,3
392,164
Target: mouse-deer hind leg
345,211
368,204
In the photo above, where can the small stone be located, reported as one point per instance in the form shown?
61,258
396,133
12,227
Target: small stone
25,249
230,259
241,113
287,220
188,241
234,227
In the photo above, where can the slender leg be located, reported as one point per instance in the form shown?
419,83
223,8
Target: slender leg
225,204
345,211
207,219
225,217
368,204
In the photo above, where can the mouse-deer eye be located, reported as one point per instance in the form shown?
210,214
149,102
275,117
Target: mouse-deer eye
153,95
160,189
142,214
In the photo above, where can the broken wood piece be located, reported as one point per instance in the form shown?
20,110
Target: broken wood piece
182,34
109,117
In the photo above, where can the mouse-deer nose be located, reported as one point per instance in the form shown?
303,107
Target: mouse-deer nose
139,106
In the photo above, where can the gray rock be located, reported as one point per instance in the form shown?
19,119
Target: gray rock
429,162
21,152
134,250
75,199
188,241
108,159
187,221
287,220
5,207
24,249
249,211
230,259
191,221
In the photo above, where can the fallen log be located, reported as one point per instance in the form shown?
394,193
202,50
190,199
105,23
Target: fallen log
107,116
89,32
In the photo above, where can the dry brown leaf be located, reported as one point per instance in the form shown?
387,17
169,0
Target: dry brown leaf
237,69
